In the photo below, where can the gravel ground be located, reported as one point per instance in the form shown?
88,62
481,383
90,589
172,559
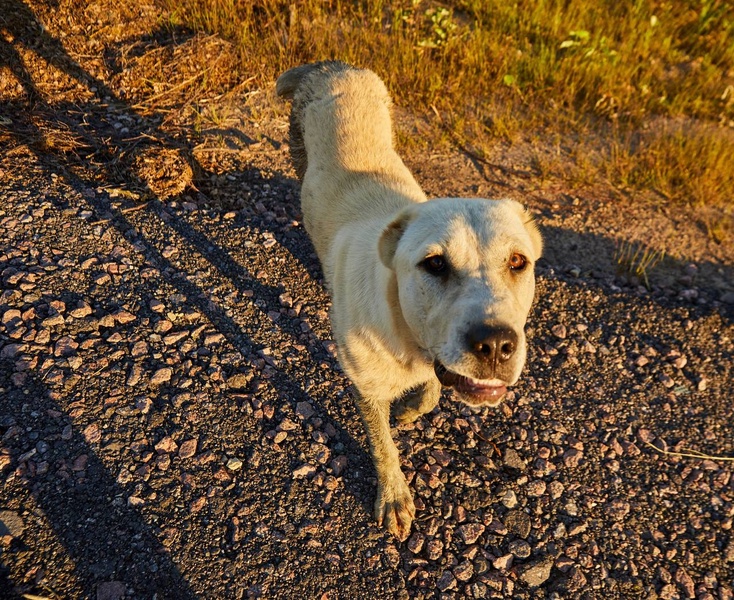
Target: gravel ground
175,424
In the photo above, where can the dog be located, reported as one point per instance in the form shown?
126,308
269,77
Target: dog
425,293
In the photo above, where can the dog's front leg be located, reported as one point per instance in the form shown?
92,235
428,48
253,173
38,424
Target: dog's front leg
394,506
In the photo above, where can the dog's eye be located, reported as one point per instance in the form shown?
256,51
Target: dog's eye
435,265
518,262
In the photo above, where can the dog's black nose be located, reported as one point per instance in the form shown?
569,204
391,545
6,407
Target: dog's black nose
492,345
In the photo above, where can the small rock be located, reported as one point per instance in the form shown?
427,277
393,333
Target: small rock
447,581
11,524
198,504
143,404
304,410
80,463
238,381
464,571
234,464
111,590
161,376
536,488
572,457
518,522
175,337
92,434
512,459
139,348
187,448
305,470
166,445
519,548
666,380
434,549
81,310
66,346
503,563
287,425
536,574
509,499
641,361
684,580
123,317
617,509
471,532
559,331
338,464
157,306
415,542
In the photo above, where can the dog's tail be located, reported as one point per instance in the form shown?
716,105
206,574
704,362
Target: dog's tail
300,84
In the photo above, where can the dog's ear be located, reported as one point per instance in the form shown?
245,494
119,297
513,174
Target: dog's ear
529,221
390,238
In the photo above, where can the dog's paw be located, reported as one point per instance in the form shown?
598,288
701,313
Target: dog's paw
394,508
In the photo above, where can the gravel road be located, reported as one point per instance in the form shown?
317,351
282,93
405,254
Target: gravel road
175,424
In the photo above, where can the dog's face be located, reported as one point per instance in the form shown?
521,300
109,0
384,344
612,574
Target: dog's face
465,276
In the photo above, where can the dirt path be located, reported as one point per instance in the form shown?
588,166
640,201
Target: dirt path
174,422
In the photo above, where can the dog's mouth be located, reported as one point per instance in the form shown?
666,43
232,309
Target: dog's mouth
475,392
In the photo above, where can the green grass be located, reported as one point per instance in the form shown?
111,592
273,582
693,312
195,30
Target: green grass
495,69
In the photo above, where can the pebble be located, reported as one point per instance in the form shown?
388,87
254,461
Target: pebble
123,317
503,562
684,580
464,571
111,590
509,499
447,581
161,376
559,331
238,381
11,524
166,444
471,532
338,464
304,410
536,488
304,471
512,459
187,448
666,380
536,574
572,458
234,464
434,549
415,542
518,522
519,548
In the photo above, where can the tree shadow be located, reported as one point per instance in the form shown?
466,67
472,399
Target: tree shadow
89,150
78,497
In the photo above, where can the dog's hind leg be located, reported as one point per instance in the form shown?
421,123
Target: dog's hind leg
418,401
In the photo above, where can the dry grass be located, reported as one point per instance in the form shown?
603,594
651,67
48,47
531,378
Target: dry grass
493,69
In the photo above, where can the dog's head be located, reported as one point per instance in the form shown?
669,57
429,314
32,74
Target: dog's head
465,278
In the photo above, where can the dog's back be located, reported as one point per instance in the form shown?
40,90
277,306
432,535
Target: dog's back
346,112
342,149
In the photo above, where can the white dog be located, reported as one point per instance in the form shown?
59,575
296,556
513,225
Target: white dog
424,292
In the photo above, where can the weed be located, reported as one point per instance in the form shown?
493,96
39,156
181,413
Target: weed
637,259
